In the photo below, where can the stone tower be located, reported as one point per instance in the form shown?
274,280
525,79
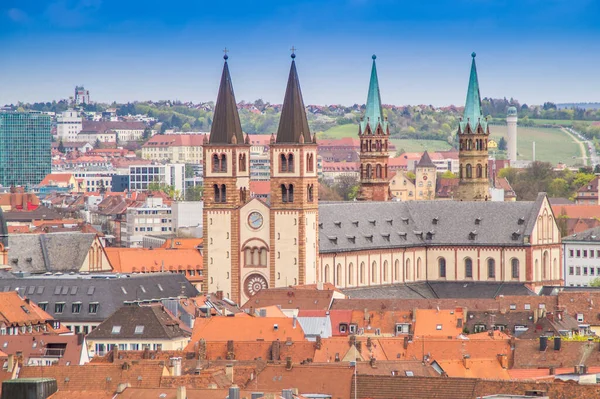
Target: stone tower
294,194
511,123
425,178
226,189
473,134
374,134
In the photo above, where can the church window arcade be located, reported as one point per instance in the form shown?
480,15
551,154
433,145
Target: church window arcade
242,163
220,193
310,162
442,267
468,268
219,163
514,263
287,193
286,163
255,256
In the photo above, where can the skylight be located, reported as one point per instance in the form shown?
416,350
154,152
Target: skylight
116,329
139,329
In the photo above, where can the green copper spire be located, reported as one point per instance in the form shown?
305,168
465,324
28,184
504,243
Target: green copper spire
473,114
374,113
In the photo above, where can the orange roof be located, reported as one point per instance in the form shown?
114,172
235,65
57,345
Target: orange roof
175,140
577,211
245,329
55,178
475,368
17,311
129,260
385,321
260,187
259,139
528,374
442,323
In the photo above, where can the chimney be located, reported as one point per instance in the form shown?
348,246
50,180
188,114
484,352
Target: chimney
405,342
219,295
319,342
181,392
543,343
275,350
202,349
358,346
115,353
503,359
557,342
551,370
230,350
369,342
294,321
146,354
10,363
287,394
256,395
234,392
176,366
550,316
229,372
288,363
467,361
367,317
372,362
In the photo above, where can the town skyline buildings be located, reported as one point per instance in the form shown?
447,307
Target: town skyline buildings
421,51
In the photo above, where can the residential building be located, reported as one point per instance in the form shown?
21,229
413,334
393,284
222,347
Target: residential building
57,253
62,180
25,149
81,302
260,160
140,176
588,194
473,134
82,96
333,171
46,349
93,136
111,131
176,148
20,316
581,257
68,125
73,146
136,328
95,178
402,187
149,218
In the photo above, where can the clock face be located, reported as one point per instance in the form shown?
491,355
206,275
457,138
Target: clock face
255,220
424,177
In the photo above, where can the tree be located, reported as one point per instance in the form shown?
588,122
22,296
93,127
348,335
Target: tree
502,144
147,133
186,127
400,152
347,187
97,144
448,175
194,193
61,147
595,282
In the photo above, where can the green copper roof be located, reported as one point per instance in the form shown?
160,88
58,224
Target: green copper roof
374,113
473,113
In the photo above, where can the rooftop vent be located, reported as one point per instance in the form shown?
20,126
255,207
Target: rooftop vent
351,239
333,239
386,236
337,224
477,220
472,235
402,234
521,220
355,223
435,220
369,238
405,220
373,222
390,221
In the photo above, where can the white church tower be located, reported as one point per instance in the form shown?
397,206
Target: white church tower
511,122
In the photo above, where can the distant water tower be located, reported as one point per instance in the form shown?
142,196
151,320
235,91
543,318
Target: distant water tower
511,122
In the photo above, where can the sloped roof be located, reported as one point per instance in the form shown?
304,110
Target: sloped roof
128,260
589,235
226,120
428,322
577,211
425,161
373,225
473,114
374,113
175,140
291,298
139,322
293,123
52,252
39,213
25,345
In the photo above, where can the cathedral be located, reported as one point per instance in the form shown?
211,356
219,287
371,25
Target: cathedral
251,245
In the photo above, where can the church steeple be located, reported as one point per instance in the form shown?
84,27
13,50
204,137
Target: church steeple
374,114
293,125
226,127
473,114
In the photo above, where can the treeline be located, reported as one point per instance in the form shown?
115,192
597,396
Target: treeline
541,177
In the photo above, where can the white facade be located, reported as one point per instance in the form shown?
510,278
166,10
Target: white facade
581,261
68,125
511,123
151,219
187,217
94,180
107,136
170,174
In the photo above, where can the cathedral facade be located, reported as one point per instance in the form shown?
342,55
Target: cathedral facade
251,245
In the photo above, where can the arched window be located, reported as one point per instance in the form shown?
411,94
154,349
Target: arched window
442,267
283,165
338,275
460,172
350,273
545,265
514,265
215,163
242,163
326,273
555,272
468,268
418,268
291,193
479,171
310,163
362,272
290,163
223,193
223,163
263,256
378,171
369,172
374,272
255,257
397,271
407,270
309,193
491,265
385,271
469,171
217,193
284,193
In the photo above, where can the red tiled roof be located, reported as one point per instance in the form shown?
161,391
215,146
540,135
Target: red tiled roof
577,211
175,140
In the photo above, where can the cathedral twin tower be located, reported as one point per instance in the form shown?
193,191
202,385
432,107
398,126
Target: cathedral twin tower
250,245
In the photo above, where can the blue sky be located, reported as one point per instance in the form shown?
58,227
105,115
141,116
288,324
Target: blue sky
532,50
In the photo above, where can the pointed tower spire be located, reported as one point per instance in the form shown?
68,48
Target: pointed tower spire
226,121
473,113
293,123
374,113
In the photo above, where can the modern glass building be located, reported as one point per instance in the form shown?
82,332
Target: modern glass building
25,148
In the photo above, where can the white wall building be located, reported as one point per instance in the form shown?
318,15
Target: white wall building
581,257
187,218
68,125
152,218
93,180
170,174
